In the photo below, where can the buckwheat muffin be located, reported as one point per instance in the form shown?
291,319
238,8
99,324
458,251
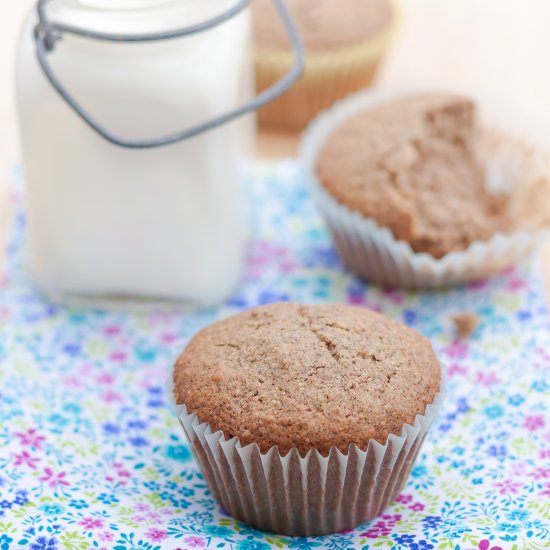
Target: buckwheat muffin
324,386
344,44
423,171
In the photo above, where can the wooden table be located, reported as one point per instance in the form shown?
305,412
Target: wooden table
500,47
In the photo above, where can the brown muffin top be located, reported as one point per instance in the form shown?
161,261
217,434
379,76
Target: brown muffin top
308,377
411,165
323,24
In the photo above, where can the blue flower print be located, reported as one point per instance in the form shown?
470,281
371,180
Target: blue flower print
138,441
137,424
404,539
519,515
111,428
43,543
419,471
431,522
498,451
52,509
218,531
78,504
253,545
516,399
181,453
421,545
302,543
107,499
5,541
540,385
493,411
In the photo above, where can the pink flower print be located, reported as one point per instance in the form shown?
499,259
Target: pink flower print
141,507
31,438
515,283
154,517
545,490
105,378
543,353
26,459
508,487
91,523
517,469
394,296
383,527
478,285
540,473
111,330
110,396
105,536
544,453
457,370
156,535
118,356
168,338
54,479
417,507
456,349
194,542
486,378
73,382
485,544
288,266
120,471
404,499
533,422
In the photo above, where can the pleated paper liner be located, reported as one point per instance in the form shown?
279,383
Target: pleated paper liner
328,76
311,495
373,253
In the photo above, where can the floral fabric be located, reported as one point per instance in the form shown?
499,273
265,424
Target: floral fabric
92,457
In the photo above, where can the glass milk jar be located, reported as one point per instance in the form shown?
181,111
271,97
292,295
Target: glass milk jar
126,197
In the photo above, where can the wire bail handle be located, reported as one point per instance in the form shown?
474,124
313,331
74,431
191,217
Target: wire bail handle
47,34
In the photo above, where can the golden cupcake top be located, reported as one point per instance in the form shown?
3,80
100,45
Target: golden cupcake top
323,24
307,377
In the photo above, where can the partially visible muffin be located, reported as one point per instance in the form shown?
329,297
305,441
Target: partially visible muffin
428,190
330,405
412,165
343,43
307,377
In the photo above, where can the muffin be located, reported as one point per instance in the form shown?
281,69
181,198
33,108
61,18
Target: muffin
343,48
306,420
412,186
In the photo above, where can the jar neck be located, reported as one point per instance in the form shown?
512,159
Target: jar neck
134,16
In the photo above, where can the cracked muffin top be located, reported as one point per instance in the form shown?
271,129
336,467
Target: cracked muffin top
315,376
412,164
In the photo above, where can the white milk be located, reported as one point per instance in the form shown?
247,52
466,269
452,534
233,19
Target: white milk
108,221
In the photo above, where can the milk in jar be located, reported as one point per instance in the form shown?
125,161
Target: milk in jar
110,221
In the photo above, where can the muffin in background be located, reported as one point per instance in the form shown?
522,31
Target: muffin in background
427,190
344,43
306,420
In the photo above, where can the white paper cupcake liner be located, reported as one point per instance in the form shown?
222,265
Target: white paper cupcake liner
311,495
373,253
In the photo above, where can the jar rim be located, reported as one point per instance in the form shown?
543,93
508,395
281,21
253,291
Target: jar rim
129,17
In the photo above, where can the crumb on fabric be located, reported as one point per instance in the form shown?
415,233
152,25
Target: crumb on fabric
465,324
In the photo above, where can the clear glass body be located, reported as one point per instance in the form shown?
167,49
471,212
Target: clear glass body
160,223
